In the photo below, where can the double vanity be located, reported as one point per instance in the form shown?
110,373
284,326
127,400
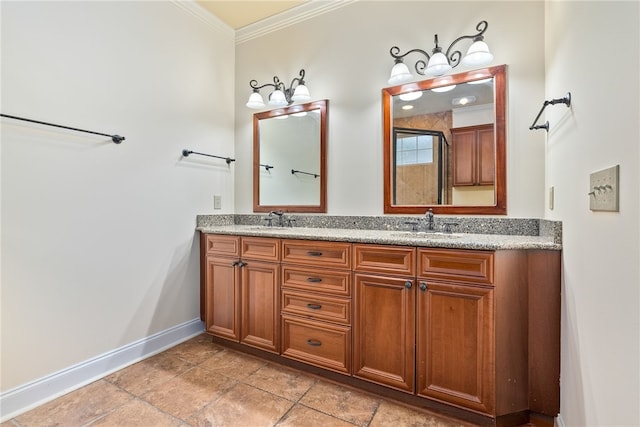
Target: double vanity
466,324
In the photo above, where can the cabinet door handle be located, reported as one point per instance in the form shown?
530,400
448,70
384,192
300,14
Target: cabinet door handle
314,253
235,263
314,306
423,286
314,343
314,279
242,264
408,284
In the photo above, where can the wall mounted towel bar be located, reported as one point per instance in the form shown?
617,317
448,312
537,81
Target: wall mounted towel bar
315,175
566,100
115,138
186,153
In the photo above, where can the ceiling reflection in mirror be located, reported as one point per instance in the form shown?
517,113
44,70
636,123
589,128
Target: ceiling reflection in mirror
444,144
289,158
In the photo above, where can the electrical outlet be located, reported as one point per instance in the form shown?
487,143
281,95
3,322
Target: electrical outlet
551,195
217,202
604,192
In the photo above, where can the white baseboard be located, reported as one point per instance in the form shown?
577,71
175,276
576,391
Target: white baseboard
27,396
559,421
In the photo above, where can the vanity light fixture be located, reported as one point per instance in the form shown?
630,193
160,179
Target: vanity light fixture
439,63
281,95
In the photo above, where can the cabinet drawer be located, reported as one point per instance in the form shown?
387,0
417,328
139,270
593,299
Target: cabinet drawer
325,254
221,244
333,282
260,248
462,265
385,259
316,306
317,343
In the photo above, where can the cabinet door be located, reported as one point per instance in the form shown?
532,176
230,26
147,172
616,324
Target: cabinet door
455,345
384,330
260,305
464,155
222,297
486,157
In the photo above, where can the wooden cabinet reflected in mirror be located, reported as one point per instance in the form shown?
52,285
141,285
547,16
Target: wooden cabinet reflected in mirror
289,158
444,144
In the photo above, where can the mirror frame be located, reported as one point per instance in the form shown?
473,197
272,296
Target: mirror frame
500,188
322,206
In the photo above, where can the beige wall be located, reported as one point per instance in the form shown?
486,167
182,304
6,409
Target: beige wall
600,373
98,242
346,56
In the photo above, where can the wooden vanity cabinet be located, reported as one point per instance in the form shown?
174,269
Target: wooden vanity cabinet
455,337
316,303
384,324
463,330
473,155
241,293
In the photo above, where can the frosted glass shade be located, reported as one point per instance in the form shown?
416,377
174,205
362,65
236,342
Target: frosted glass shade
410,96
255,101
277,99
438,64
478,54
301,94
399,73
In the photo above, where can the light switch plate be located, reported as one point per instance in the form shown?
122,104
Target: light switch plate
217,202
551,195
604,191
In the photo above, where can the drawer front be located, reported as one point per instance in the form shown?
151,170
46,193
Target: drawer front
316,306
316,343
325,254
458,265
332,282
395,260
221,244
260,248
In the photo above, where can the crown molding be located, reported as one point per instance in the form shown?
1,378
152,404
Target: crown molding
212,21
289,17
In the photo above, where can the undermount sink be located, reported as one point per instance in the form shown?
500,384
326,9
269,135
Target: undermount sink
428,235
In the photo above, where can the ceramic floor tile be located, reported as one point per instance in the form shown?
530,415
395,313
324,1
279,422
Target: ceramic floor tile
184,395
137,413
77,408
242,406
233,364
391,414
143,376
300,415
341,402
195,350
280,381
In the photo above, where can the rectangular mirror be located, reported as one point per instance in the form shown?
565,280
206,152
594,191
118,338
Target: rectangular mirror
289,158
444,144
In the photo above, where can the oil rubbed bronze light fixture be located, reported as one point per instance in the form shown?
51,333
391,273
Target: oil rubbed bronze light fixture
281,95
439,63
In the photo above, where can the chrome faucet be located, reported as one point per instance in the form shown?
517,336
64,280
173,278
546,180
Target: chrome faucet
280,215
431,220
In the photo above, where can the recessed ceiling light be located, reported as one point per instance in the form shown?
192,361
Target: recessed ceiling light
464,100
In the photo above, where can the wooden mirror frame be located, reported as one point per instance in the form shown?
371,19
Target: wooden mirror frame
323,106
500,207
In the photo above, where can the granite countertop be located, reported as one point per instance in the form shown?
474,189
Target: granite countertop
406,238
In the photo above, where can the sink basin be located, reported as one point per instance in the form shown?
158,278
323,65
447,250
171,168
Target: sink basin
426,235
266,228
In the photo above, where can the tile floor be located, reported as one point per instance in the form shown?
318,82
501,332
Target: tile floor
199,383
